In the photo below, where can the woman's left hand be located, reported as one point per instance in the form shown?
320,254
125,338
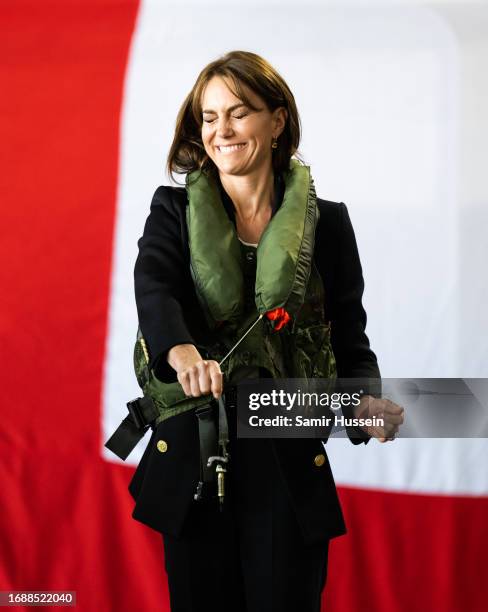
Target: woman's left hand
391,413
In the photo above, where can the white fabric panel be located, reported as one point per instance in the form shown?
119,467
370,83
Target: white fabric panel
446,466
388,97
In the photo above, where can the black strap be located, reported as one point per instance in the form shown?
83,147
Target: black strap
208,438
223,428
142,412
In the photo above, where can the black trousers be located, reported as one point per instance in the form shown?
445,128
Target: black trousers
250,556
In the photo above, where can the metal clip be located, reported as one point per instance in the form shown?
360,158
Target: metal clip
220,471
198,493
220,483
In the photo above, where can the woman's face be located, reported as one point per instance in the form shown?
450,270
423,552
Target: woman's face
237,138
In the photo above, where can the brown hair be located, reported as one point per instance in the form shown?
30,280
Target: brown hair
187,152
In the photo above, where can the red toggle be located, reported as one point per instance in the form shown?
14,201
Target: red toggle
279,316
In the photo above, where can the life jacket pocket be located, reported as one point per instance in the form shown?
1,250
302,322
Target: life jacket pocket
313,356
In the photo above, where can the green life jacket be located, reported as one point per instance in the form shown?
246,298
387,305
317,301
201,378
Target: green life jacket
227,275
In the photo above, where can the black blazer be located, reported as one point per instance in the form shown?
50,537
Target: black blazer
169,314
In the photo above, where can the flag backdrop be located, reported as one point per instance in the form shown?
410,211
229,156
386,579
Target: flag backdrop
390,104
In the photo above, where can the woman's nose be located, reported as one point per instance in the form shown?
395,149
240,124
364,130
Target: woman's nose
224,127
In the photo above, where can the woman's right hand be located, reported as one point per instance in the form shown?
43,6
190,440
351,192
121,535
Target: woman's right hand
197,376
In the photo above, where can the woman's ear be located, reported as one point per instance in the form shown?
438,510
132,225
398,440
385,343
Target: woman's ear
280,116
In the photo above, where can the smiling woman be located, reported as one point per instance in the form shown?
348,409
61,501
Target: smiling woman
252,90
294,301
239,138
243,134
243,112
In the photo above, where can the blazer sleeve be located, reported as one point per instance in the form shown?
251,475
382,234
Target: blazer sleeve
350,344
159,276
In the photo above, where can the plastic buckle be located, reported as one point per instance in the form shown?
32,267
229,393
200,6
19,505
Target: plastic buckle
203,411
136,413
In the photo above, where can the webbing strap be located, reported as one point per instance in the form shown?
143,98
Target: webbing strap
223,427
142,412
208,439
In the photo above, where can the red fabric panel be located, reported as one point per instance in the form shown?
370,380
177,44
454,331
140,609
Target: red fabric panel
404,553
66,513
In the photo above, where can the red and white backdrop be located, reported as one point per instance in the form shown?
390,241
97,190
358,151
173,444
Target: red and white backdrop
392,99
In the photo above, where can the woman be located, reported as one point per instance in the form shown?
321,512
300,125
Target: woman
246,241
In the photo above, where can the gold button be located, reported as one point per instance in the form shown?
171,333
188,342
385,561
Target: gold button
319,460
162,446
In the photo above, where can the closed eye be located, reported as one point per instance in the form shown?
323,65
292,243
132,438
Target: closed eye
241,116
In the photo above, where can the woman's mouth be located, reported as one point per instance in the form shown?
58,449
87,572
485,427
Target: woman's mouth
226,149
